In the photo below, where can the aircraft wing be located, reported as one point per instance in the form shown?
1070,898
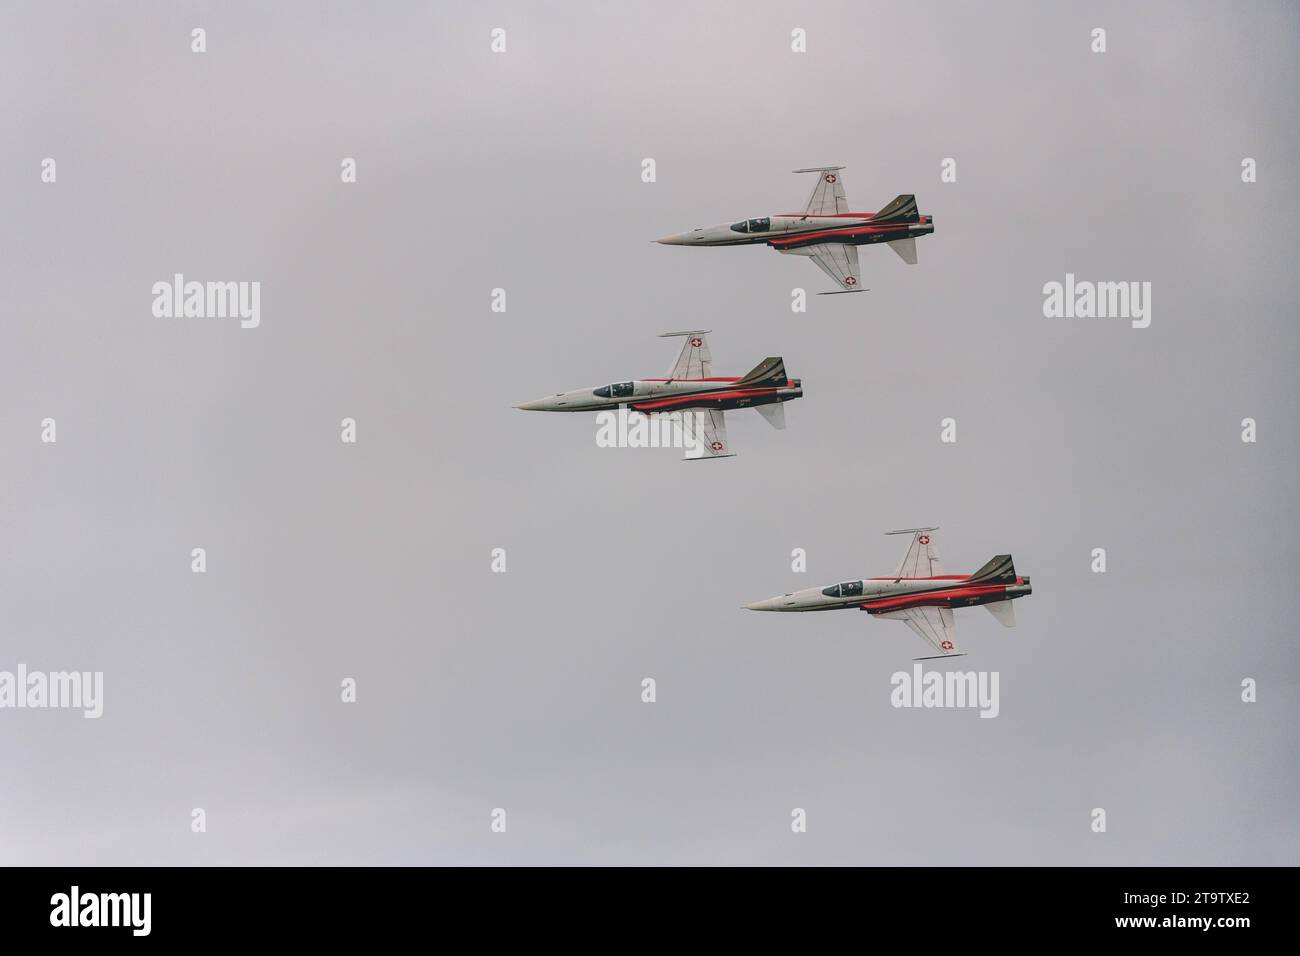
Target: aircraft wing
836,259
711,426
921,559
933,624
695,361
827,197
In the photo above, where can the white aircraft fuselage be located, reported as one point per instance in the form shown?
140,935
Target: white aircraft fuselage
790,231
877,595
826,231
919,593
656,395
689,387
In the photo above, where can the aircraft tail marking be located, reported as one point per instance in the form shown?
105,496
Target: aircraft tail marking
902,209
1000,569
767,373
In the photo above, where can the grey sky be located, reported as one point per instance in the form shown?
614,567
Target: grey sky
522,690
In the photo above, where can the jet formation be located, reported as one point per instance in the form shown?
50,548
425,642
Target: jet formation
825,231
919,593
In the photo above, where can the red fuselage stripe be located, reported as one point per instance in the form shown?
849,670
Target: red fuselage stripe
701,396
854,231
929,597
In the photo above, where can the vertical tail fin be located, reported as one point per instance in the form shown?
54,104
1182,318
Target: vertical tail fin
1000,569
902,209
770,371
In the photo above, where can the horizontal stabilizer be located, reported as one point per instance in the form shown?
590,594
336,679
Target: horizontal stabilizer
775,414
906,249
999,570
1004,611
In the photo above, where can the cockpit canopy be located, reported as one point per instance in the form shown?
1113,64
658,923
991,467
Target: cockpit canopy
847,589
617,390
752,225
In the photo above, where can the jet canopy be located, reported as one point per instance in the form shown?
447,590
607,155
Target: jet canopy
847,589
752,225
617,390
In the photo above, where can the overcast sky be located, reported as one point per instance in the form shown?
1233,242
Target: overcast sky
522,690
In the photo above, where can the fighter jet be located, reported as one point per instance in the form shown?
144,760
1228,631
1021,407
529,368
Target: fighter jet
691,387
825,230
919,594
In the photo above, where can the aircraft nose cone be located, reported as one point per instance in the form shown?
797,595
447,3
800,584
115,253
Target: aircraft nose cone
677,240
537,406
766,605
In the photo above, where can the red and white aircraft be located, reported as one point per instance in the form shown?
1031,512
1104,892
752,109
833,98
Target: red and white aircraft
918,594
691,387
825,230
